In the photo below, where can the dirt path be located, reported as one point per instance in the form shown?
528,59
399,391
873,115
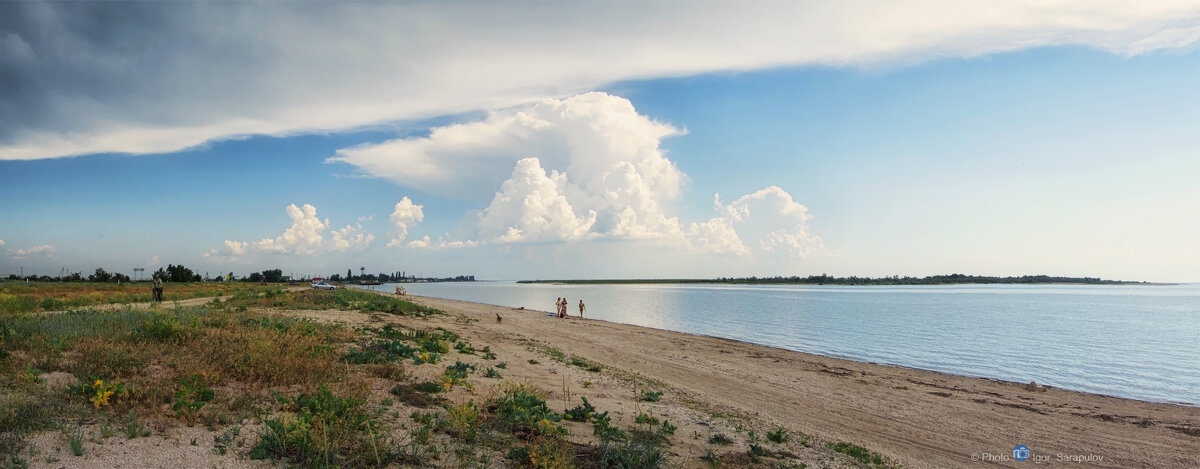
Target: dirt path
919,418
172,303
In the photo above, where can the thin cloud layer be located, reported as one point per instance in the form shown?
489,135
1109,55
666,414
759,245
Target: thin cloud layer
82,77
44,250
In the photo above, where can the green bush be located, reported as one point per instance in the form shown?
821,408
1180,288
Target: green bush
191,397
520,409
859,454
778,436
651,396
322,431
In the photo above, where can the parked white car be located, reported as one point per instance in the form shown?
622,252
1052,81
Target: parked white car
324,286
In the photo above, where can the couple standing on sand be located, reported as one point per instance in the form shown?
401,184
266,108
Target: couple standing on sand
561,304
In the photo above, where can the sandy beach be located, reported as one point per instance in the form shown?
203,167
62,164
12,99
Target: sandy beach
918,418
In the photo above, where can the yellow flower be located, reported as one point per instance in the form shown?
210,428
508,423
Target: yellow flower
98,383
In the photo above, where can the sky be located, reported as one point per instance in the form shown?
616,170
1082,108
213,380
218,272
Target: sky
602,139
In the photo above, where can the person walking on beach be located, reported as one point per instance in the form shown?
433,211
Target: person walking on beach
581,308
158,288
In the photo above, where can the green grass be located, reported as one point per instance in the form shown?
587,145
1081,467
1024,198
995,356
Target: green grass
342,298
36,296
860,454
585,363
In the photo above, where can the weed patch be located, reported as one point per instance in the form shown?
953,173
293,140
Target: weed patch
322,430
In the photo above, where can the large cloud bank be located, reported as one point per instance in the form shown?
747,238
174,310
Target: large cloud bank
89,77
583,168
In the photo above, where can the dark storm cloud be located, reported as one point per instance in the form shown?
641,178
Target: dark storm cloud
82,53
145,77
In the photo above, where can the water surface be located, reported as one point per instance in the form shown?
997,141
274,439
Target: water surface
1140,342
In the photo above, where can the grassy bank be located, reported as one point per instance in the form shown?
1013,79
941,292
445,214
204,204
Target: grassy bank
400,388
20,297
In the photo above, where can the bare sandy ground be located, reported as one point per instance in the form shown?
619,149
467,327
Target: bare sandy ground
918,418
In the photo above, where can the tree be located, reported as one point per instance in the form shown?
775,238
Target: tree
349,275
273,275
177,273
254,277
100,276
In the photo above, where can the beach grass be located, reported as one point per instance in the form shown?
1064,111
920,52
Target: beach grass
19,297
317,393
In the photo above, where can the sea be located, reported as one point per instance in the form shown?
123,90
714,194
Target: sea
1133,341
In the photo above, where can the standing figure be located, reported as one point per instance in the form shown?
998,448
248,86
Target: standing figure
581,308
158,288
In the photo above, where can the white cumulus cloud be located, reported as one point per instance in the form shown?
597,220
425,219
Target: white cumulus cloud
531,207
153,262
44,250
305,235
288,68
770,215
405,215
583,168
350,236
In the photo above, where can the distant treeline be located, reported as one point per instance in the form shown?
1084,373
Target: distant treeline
952,279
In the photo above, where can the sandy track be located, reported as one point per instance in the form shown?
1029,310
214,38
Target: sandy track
919,418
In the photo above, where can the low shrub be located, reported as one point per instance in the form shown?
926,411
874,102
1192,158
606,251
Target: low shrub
651,396
779,436
859,454
322,430
521,408
191,397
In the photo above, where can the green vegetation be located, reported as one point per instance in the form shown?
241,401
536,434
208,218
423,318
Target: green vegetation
36,297
585,364
344,299
220,365
191,398
322,431
651,396
860,454
779,436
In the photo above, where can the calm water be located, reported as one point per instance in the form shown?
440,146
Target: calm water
1141,342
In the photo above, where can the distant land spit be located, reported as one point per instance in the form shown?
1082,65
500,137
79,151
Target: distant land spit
952,279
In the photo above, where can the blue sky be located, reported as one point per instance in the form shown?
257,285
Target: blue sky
983,154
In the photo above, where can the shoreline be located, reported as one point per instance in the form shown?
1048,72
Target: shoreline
918,417
851,359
